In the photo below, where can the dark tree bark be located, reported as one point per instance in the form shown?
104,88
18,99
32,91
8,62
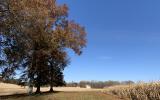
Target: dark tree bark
38,91
38,84
51,81
51,89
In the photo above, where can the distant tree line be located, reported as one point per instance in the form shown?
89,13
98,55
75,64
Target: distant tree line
12,81
98,84
23,83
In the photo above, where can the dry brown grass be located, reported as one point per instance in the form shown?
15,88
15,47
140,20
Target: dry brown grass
141,91
14,92
7,89
68,96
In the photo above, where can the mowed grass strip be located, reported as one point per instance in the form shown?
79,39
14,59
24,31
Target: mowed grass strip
68,96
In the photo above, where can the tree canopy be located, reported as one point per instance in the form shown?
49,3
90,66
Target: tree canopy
34,37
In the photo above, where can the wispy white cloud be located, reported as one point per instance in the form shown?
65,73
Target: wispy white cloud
104,58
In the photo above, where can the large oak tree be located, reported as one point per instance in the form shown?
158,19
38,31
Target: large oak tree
35,35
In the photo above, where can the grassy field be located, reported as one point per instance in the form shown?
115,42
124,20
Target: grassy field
65,96
141,91
14,92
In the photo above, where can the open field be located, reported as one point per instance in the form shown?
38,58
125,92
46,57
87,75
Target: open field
14,92
8,89
141,91
66,96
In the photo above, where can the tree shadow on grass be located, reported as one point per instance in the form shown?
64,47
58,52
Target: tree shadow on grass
16,96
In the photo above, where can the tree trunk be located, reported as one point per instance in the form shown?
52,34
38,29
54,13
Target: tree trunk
51,84
51,89
38,91
51,81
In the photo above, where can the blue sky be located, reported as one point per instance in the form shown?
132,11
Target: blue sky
123,40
